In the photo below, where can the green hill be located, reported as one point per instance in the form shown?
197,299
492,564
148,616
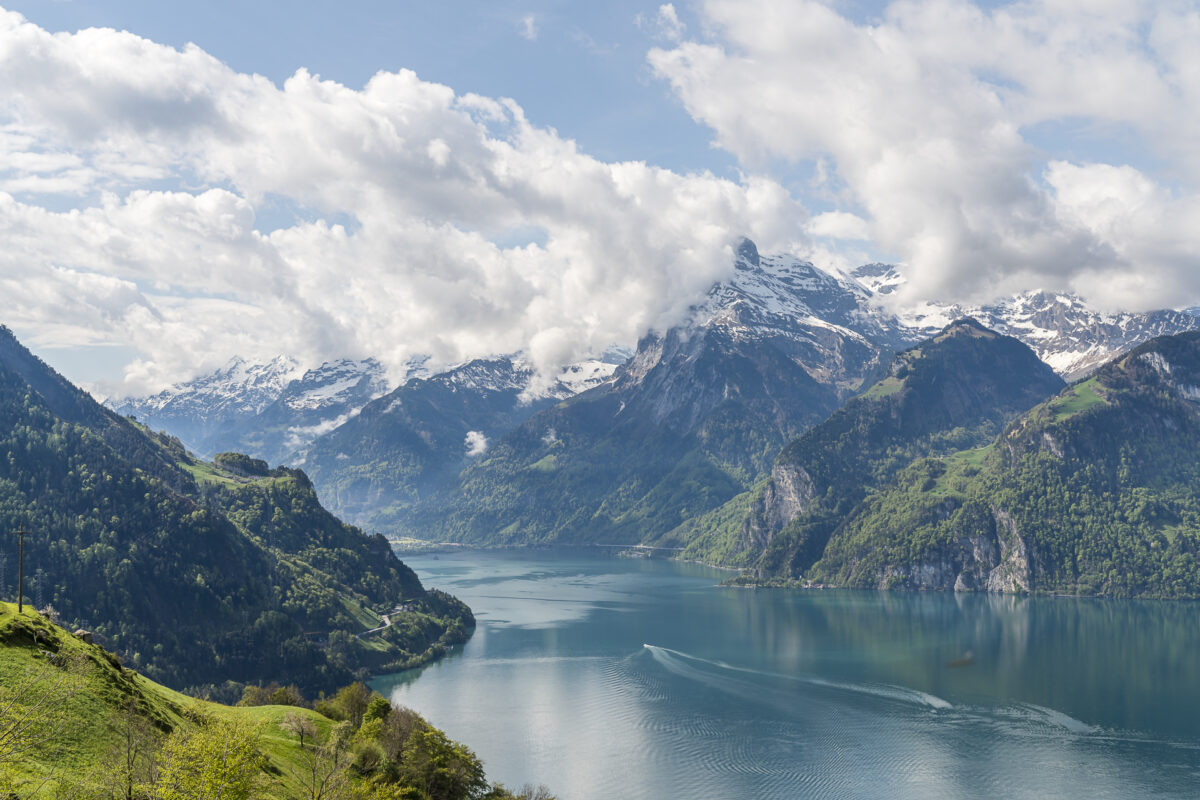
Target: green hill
196,573
77,723
953,391
1091,492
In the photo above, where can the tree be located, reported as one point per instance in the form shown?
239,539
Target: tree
324,773
442,769
353,701
210,759
301,726
132,756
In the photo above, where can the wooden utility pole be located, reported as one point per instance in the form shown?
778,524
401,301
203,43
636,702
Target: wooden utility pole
21,534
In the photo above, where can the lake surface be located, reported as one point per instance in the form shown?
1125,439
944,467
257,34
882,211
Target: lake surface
627,678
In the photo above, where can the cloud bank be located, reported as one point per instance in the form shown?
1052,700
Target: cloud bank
986,148
419,221
152,197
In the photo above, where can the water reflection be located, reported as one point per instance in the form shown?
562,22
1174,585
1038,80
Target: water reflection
606,677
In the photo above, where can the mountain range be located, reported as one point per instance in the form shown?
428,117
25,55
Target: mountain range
269,410
671,446
1092,491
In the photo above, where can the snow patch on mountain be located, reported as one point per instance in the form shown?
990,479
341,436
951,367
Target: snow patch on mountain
336,383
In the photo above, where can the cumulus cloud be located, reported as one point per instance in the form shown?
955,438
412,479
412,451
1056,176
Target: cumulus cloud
401,188
937,126
476,443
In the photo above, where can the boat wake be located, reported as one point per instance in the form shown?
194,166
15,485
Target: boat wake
685,665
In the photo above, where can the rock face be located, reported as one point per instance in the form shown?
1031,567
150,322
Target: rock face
787,495
994,560
958,386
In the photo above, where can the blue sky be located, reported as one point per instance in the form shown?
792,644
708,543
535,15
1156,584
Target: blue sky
585,74
167,211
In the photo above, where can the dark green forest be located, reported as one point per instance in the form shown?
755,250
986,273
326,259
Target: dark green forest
198,574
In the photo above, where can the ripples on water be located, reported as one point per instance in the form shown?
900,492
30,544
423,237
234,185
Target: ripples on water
566,697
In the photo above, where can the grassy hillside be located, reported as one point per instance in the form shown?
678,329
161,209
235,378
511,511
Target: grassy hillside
1095,491
77,723
86,722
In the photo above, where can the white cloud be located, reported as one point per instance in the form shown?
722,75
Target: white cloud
476,443
403,188
665,25
529,28
669,26
838,225
931,122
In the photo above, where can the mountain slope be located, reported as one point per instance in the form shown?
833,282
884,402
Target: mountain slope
406,444
195,572
1091,492
694,418
948,392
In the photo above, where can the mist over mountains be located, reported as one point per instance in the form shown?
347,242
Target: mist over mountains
625,447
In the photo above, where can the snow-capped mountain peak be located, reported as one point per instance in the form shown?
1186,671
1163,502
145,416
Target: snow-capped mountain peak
509,373
336,383
239,387
780,285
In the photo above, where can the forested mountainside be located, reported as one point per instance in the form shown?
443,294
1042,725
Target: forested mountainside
1095,491
195,572
953,391
412,441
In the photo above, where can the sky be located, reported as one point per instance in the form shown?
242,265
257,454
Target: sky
182,184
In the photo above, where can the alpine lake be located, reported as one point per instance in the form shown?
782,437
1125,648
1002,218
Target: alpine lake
610,677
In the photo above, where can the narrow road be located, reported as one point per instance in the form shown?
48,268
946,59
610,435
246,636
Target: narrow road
387,621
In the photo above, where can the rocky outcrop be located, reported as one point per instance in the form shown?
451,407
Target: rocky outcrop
1013,573
786,496
994,559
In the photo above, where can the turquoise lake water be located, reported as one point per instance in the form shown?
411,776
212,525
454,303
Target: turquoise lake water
628,678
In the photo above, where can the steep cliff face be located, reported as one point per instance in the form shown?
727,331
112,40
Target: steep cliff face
786,496
993,558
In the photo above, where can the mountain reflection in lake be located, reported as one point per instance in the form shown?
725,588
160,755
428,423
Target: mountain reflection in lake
609,677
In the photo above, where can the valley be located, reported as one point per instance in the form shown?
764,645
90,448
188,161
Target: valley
754,436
